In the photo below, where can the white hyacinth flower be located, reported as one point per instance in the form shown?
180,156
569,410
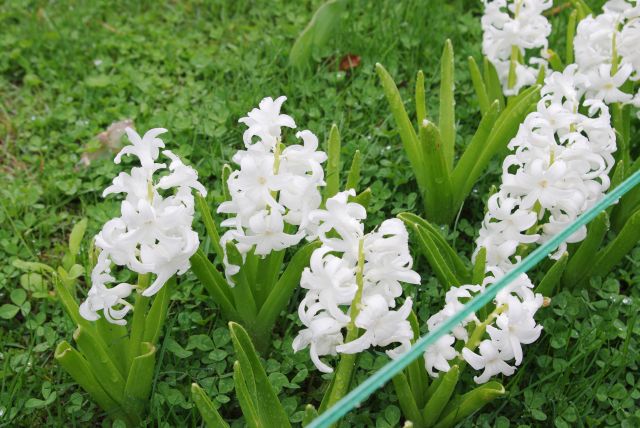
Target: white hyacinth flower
153,233
275,189
381,258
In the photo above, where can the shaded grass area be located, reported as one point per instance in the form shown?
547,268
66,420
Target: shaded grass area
70,69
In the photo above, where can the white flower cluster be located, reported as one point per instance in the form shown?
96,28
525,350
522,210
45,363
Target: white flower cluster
558,168
516,24
615,32
275,188
153,234
332,281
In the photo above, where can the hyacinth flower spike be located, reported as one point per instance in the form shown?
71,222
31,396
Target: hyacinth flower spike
152,237
270,200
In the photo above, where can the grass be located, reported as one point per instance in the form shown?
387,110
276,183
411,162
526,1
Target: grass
70,69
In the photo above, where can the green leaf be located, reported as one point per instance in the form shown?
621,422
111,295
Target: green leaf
332,176
555,61
446,118
322,26
421,103
176,349
581,261
363,198
77,233
500,133
479,86
473,152
242,290
492,82
405,128
18,296
269,409
8,311
101,362
617,249
226,172
353,178
448,254
139,380
465,405
310,413
209,413
437,194
281,293
158,313
210,225
479,267
215,284
416,372
32,266
571,32
440,267
437,402
553,276
78,368
245,398
99,81
70,305
406,400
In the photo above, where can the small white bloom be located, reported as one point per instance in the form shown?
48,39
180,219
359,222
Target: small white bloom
490,360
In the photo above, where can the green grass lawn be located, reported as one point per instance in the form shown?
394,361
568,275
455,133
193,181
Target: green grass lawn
70,69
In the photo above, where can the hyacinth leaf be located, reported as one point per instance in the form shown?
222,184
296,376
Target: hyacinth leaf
421,99
437,195
617,249
553,276
215,284
416,372
139,315
440,267
479,266
138,386
407,401
479,86
353,178
283,289
70,305
210,225
310,413
473,153
492,82
458,266
437,402
226,173
78,368
542,72
582,7
209,413
245,398
332,176
580,262
405,128
571,32
116,339
266,403
100,362
363,198
242,292
504,128
465,405
555,61
158,313
447,118
319,30
75,238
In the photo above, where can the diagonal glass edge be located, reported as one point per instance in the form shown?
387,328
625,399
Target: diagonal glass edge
393,367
